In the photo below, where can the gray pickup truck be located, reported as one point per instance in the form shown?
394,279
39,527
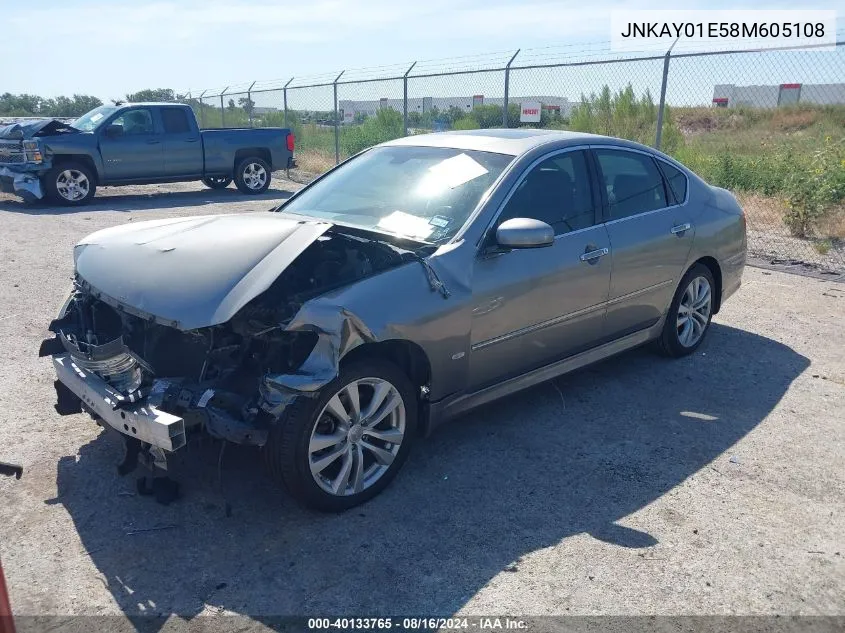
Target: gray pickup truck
135,143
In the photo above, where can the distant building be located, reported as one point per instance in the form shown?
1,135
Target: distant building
732,96
423,104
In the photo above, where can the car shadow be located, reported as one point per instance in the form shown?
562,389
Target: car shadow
108,201
571,457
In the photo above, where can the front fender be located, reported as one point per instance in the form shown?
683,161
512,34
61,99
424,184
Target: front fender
398,304
75,146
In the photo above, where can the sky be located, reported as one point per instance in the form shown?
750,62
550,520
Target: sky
111,47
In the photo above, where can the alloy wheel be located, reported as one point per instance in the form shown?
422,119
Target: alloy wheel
694,311
255,176
357,436
72,185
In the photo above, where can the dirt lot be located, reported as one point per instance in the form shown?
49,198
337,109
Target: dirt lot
709,485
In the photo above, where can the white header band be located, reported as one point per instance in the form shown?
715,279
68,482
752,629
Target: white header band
720,30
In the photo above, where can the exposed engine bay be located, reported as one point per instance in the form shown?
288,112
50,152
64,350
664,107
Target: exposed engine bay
210,377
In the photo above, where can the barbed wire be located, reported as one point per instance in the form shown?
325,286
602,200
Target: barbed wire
589,52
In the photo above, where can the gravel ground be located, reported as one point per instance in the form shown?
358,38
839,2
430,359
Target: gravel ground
709,485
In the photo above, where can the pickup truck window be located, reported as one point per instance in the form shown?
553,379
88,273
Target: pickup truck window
136,121
92,120
175,121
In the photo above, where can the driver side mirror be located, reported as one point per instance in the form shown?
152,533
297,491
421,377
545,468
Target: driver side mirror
113,131
524,233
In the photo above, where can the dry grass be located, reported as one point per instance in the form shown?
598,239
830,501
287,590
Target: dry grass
790,120
765,213
695,121
833,224
314,161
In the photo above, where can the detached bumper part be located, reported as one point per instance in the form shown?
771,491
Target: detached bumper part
27,185
140,421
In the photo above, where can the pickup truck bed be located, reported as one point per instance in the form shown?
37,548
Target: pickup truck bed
136,144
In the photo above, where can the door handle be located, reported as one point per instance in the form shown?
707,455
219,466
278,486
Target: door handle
191,140
681,228
591,256
152,141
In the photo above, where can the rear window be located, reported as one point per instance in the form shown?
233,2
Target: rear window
677,181
175,121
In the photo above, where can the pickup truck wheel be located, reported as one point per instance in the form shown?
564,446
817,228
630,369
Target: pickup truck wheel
70,184
217,182
342,448
252,175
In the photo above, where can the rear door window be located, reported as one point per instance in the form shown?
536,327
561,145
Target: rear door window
677,182
633,182
175,121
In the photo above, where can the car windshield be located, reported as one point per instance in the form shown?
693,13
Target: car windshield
92,120
422,193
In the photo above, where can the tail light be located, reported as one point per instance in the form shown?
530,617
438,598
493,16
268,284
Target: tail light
291,142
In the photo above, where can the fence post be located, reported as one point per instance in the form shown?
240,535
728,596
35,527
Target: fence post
249,102
507,88
202,108
659,135
336,122
222,109
405,100
285,98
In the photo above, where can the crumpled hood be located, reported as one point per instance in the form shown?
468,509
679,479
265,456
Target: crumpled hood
193,272
41,127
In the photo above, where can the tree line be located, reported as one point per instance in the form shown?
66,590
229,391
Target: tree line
33,105
75,106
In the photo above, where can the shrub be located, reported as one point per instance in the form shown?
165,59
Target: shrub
625,116
386,125
812,191
465,123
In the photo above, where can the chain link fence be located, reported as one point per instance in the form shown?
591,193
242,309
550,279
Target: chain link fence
768,125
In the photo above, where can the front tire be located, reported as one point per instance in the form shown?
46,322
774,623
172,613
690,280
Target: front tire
689,316
344,447
70,184
252,175
216,182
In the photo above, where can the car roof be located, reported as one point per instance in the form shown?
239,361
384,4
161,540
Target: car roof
512,141
152,103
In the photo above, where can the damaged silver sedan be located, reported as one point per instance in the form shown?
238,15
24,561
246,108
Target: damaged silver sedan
417,280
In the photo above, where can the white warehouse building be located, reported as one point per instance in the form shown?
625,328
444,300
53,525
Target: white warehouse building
732,96
350,108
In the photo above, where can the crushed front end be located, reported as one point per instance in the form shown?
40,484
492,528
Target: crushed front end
24,157
22,164
157,384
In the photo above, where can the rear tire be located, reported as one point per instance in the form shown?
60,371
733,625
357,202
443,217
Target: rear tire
217,182
71,184
252,175
690,313
310,430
